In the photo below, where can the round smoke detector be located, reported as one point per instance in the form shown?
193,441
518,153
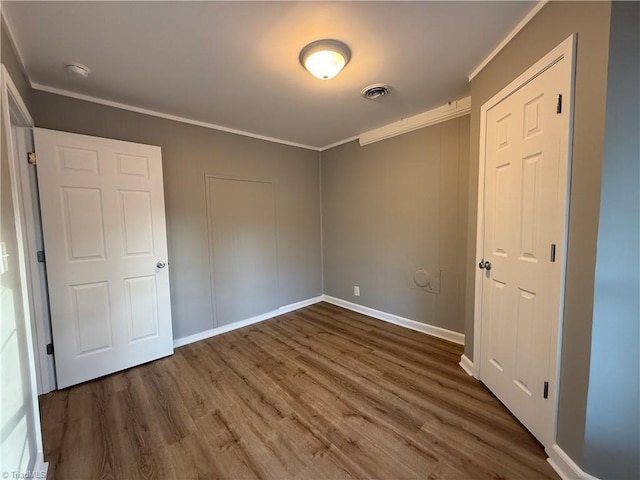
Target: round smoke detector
376,90
78,70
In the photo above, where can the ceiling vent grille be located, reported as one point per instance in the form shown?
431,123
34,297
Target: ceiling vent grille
375,91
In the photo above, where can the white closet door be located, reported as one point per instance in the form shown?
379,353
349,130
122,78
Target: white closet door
524,214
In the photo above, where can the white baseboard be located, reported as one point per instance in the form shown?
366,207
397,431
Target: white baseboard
387,317
434,331
40,468
467,366
565,466
179,342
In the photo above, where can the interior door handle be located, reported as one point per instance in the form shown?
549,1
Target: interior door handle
161,264
485,264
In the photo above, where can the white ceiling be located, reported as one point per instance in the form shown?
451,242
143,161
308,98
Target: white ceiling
235,64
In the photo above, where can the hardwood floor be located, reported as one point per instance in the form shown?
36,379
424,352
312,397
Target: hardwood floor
319,393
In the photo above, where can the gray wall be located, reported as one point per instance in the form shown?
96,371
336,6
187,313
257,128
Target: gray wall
243,242
392,207
188,154
612,442
553,24
10,60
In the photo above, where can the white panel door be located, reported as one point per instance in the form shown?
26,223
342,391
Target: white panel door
103,221
524,214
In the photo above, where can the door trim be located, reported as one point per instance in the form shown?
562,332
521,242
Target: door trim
15,113
566,50
39,308
32,226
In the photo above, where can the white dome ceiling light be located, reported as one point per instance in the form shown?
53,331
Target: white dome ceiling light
78,70
324,59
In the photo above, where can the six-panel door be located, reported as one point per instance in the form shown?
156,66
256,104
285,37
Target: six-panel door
104,233
523,214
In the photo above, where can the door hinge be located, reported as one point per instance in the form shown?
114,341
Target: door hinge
559,103
49,348
40,256
31,158
553,252
546,390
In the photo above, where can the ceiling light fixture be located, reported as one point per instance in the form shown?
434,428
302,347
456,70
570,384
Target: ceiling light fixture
78,70
325,58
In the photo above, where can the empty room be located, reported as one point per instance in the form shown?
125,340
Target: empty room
320,240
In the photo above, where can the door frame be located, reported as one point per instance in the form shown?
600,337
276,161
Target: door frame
15,114
32,229
20,118
565,50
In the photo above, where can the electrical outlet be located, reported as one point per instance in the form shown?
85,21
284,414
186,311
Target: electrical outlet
356,291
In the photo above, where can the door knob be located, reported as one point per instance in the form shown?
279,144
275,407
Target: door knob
485,265
161,264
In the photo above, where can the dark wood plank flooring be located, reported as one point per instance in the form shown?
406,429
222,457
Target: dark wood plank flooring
319,393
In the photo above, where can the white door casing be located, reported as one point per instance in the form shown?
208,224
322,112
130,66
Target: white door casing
22,444
523,210
38,294
102,204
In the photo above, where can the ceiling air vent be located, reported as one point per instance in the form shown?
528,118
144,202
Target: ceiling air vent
375,91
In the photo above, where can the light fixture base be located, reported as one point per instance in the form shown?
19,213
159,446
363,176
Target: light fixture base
324,59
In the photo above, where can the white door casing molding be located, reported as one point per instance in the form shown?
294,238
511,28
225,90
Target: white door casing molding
15,113
566,50
30,208
18,146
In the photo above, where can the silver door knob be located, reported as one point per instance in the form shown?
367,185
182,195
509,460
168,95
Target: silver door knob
161,264
485,265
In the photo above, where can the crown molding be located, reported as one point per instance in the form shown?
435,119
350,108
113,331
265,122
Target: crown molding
14,45
454,109
338,143
397,128
536,8
175,118
131,108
